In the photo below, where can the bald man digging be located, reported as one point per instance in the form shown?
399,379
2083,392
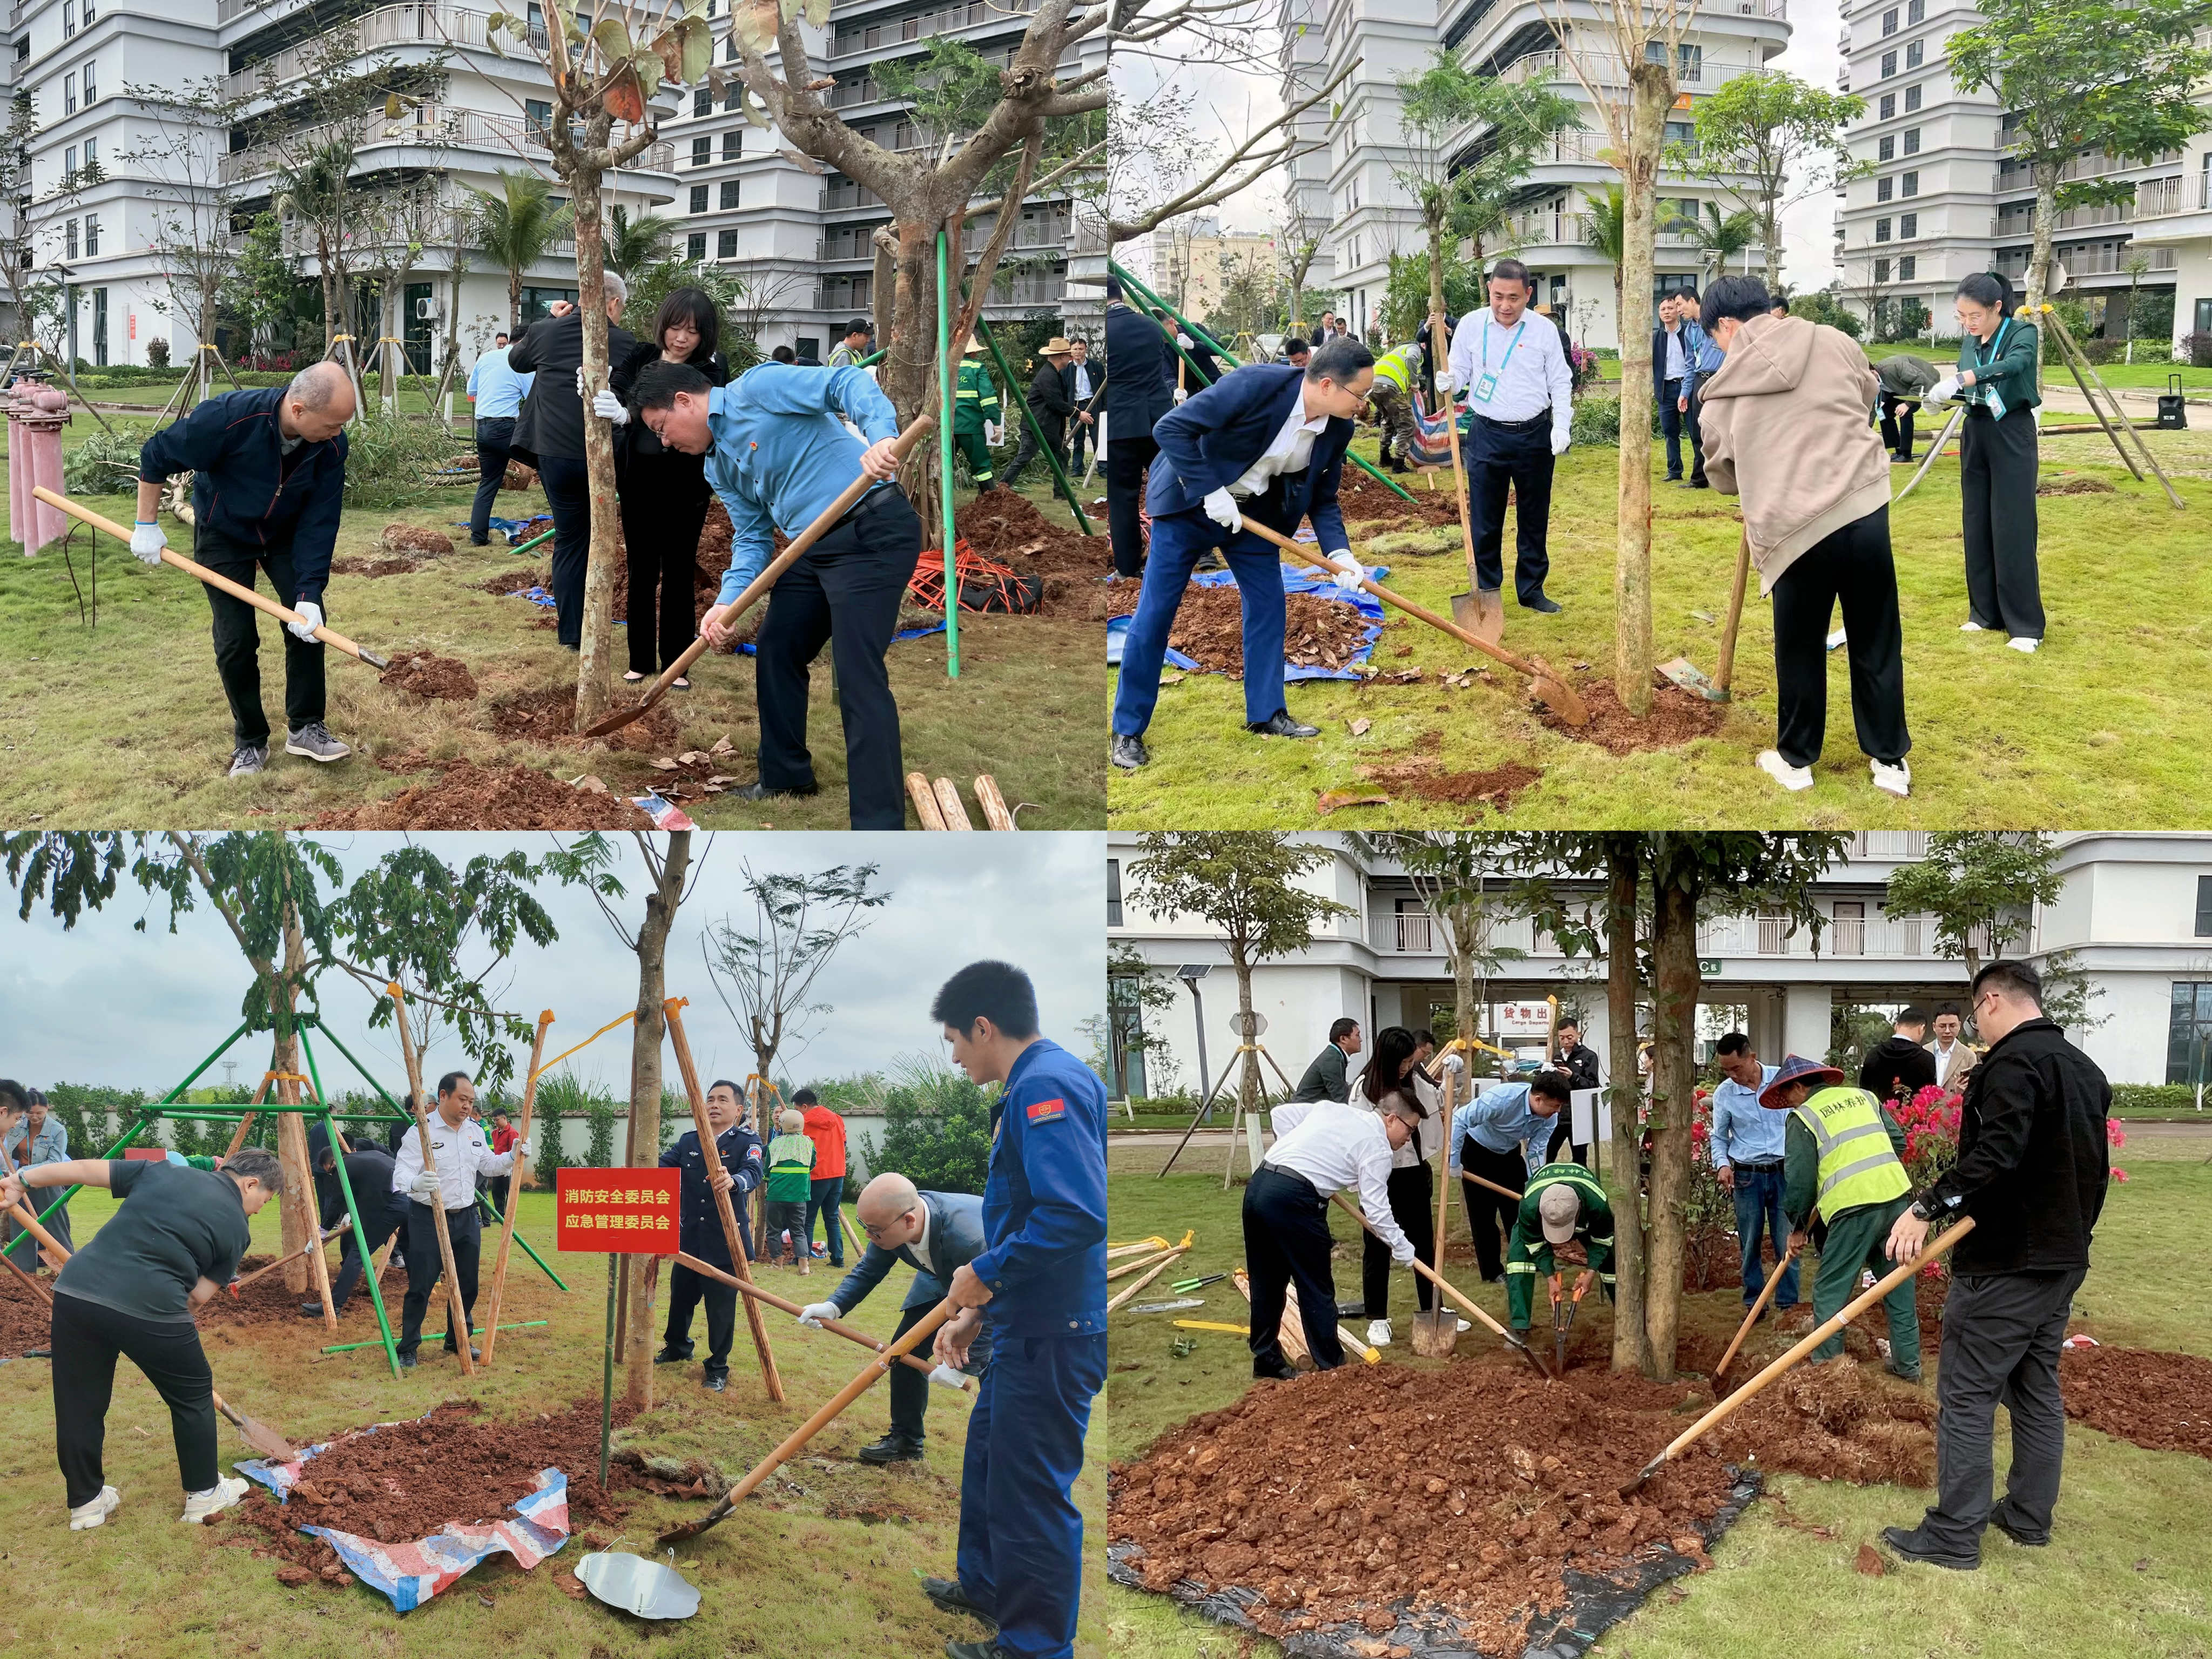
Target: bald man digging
936,1234
268,467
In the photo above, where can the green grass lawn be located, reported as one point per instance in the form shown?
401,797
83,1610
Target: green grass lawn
2107,723
2122,1576
780,1577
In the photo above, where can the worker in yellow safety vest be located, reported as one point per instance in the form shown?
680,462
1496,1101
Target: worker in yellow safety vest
1396,373
1844,1170
976,415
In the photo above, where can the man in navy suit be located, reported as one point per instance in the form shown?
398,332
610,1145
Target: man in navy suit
1267,440
1139,391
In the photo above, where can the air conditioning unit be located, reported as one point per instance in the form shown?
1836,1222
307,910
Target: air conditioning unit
428,310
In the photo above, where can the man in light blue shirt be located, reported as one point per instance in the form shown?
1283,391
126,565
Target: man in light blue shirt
1503,1134
778,454
497,392
1747,1145
30,1134
1705,359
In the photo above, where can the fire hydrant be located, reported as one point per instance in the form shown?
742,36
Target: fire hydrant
36,412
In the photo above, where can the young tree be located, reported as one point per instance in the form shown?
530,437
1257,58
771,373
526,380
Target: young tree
1768,140
399,225
261,286
633,244
516,227
195,209
317,190
1979,888
1464,885
1606,213
1719,238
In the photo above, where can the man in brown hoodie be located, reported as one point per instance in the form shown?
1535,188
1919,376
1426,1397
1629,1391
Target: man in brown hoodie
1784,420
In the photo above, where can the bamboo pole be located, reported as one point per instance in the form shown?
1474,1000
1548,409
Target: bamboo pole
834,1327
1751,1317
1158,1267
514,1188
457,1310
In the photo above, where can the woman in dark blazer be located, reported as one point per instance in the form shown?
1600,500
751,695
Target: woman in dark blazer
1996,380
664,492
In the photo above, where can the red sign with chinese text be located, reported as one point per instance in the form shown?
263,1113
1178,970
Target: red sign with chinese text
628,1212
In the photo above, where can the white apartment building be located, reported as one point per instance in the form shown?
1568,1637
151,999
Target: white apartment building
1302,51
1370,217
2136,910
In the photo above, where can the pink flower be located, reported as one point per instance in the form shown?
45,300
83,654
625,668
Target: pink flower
2114,1133
2120,1176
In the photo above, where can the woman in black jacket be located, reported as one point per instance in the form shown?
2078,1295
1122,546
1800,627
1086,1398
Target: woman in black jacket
664,492
1050,403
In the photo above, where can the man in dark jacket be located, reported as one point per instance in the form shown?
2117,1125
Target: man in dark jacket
1086,384
2032,1171
549,436
1329,1076
268,467
383,1212
1141,389
1898,1067
1050,403
700,1233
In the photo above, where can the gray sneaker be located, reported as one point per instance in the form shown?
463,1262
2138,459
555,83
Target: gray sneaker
314,741
248,758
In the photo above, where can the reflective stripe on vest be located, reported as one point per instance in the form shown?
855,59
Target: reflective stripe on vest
1857,1165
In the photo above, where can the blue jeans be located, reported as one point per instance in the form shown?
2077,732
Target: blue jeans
822,1199
1178,540
1758,1203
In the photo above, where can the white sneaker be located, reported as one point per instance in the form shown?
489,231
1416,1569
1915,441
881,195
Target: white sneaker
200,1505
2027,646
1378,1333
85,1517
1836,639
1466,1325
1896,779
1792,778
1971,628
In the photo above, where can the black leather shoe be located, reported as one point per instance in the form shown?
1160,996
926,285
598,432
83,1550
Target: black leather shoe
407,1362
892,1448
1280,725
1544,603
2025,1539
950,1596
1281,1371
762,791
987,1649
717,1381
1129,752
1909,1542
311,1310
672,1355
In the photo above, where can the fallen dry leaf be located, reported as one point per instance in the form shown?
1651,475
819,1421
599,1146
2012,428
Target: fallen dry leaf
1331,800
722,746
662,764
1359,727
1871,1562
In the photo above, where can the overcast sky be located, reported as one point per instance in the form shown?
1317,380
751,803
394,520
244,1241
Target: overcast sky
103,1004
1233,101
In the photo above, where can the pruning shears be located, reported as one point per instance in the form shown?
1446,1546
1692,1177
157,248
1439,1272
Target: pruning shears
1562,1312
1183,1286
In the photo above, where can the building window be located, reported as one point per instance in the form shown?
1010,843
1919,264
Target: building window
1882,230
694,246
1114,892
69,93
1912,99
1888,64
726,245
538,116
1689,62
92,155
698,199
1888,106
732,146
1912,185
1886,151
1847,937
1889,21
733,100
1905,267
1912,141
1915,13
89,12
2189,1038
703,150
91,235
2205,907
1681,132
537,302
1882,189
91,76
702,100
1915,52
1880,271
22,47
69,18
1908,227
729,199
68,166
69,240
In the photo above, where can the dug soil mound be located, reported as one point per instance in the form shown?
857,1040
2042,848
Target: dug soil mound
393,566
1365,501
1676,718
1209,628
1420,779
407,538
467,796
266,1302
2073,485
25,1321
2160,1401
518,580
550,717
1456,1500
428,675
1013,531
1839,1421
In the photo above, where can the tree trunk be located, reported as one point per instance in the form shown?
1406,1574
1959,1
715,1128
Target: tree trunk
648,1033
1651,89
298,1212
513,302
595,661
1624,1181
1248,1078
1673,1110
1771,229
2039,257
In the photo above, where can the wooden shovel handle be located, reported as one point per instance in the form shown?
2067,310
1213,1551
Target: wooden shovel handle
835,1327
1430,1274
1727,668
314,1243
1765,1296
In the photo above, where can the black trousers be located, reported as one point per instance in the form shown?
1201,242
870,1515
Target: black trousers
238,640
1697,440
1287,1242
664,508
379,1224
1895,415
1499,458
1055,434
1675,424
1127,461
2001,1342
493,437
568,493
1560,1142
86,1338
1413,1207
1996,482
910,1388
1491,1215
1081,434
425,1269
844,593
686,1291
1852,565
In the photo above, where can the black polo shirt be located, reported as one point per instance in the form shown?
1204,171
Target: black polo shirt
177,1226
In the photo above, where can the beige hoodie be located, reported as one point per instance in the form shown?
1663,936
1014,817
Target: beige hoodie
1785,423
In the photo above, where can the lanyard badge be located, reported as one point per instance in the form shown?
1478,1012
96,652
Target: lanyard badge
1486,388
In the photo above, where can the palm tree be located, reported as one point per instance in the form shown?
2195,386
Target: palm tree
1606,217
316,190
633,244
1717,238
516,227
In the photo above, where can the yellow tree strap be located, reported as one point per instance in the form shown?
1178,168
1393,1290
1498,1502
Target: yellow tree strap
585,1043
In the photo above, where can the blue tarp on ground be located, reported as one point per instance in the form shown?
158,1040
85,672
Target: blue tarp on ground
1294,582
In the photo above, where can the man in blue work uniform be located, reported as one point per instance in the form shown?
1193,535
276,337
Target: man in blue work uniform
1503,1135
383,1212
699,1221
1748,1162
1042,1277
777,454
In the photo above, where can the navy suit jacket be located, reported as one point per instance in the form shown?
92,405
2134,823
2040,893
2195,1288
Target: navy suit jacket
1141,388
1209,442
956,1238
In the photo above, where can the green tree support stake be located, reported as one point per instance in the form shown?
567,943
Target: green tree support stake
1058,473
353,1209
946,368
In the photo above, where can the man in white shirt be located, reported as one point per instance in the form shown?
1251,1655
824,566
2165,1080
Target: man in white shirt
1954,1058
460,1150
1513,367
1085,381
1287,1237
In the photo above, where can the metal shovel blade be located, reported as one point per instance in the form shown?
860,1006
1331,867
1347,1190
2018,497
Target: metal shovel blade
619,719
1555,694
262,1438
1692,678
645,1589
1482,613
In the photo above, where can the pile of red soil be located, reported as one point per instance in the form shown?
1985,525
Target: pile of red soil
1426,779
1676,718
1013,531
2160,1401
1366,503
410,539
467,796
1209,628
1838,1421
428,675
25,1321
375,567
1466,1492
519,579
711,559
550,717
266,1302
409,1480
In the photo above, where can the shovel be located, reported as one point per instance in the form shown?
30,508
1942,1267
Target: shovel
826,521
1452,1290
1552,691
1751,1317
190,568
1685,673
1563,1309
1481,612
315,1243
262,1438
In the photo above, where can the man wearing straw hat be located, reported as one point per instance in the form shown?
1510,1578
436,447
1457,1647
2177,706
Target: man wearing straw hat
975,413
1050,403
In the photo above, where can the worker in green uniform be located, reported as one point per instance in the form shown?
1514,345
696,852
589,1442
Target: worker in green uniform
1843,1167
1562,1201
1396,373
976,415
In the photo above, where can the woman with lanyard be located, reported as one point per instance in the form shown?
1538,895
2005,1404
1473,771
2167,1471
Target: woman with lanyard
664,493
1394,1086
1996,380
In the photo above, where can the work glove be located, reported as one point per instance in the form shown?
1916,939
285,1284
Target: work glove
1403,1253
146,541
990,436
1943,391
1455,1062
946,1376
814,1313
1561,437
1186,342
520,1149
1182,396
1348,572
1446,382
1221,508
311,618
607,406
423,1189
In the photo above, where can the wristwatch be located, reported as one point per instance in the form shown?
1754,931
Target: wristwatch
1920,1212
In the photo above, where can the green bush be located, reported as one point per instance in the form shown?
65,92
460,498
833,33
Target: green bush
937,1130
1597,422
389,459
2100,350
157,353
107,462
1823,307
2154,1098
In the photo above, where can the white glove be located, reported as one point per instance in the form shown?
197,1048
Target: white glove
423,1189
1221,508
1403,1254
814,1313
1186,342
947,1377
1561,437
1455,1062
1181,395
1348,572
581,390
992,435
1944,390
520,1149
146,541
606,405
1446,382
311,618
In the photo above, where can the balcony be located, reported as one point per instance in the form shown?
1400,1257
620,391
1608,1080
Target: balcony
2022,226
2162,198
1415,933
2090,262
430,126
1846,935
426,24
1888,844
2092,164
898,31
847,197
1606,70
